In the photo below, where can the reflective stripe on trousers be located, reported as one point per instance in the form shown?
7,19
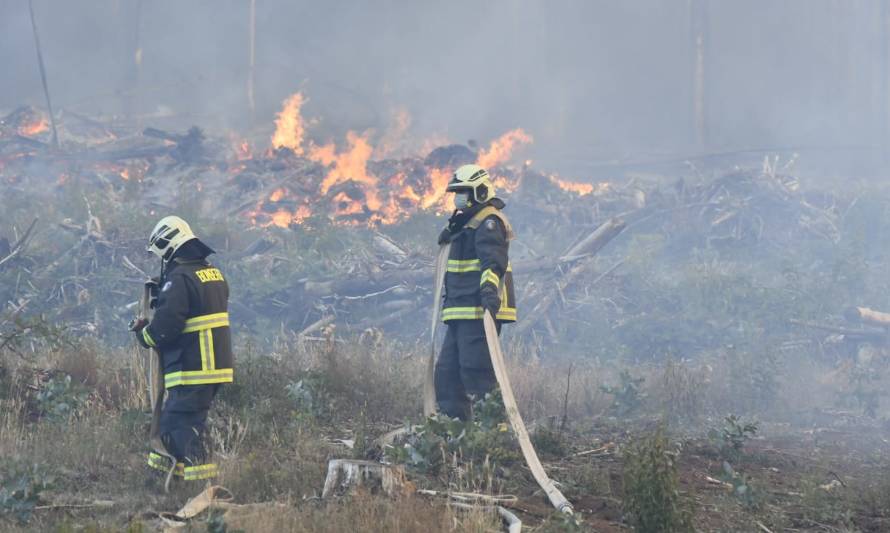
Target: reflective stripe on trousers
187,473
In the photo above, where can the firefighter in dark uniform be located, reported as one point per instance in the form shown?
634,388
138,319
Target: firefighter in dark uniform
478,278
190,329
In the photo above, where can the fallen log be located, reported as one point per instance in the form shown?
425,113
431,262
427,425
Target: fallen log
26,141
588,246
358,287
868,316
384,320
850,332
594,242
317,325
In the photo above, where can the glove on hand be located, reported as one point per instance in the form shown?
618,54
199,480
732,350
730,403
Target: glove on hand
137,324
153,290
488,294
444,237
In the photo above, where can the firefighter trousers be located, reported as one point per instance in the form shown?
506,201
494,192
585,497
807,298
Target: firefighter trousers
182,425
463,370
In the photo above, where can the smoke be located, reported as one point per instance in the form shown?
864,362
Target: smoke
589,80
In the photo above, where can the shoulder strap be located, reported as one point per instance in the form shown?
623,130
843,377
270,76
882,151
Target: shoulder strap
488,211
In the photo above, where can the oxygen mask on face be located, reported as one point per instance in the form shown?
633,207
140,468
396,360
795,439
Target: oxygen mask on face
461,200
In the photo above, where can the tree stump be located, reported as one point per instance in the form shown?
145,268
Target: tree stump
346,474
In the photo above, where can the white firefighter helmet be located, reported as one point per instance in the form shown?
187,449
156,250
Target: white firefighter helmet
472,178
169,234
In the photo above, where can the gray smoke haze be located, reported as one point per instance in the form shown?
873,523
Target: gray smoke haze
591,80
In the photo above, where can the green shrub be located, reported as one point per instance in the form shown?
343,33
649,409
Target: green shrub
20,487
486,436
742,488
627,395
651,488
309,396
60,398
732,436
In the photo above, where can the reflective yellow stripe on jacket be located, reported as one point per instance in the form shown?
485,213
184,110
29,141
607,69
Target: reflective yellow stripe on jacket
490,277
476,313
205,322
460,266
203,325
147,338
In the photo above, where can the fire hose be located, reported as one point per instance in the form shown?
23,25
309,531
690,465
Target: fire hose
500,370
155,391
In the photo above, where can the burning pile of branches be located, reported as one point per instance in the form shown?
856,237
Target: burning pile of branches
320,233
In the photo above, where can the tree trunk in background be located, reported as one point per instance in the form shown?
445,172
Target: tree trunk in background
132,20
884,80
698,40
251,65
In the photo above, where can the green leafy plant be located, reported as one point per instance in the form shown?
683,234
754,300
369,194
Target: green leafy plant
549,441
732,436
309,397
742,488
60,398
627,396
651,487
21,487
485,437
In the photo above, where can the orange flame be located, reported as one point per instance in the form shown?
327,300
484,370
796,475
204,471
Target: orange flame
243,151
435,194
581,189
349,165
35,127
284,218
289,127
501,149
355,193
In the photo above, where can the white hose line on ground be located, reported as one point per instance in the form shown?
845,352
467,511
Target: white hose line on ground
429,386
513,523
528,451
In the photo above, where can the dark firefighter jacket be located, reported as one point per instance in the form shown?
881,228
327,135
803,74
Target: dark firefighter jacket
479,255
190,326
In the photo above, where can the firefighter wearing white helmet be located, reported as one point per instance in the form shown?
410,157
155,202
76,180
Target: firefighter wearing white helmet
478,278
190,331
168,235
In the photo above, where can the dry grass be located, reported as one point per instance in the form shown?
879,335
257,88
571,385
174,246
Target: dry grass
274,450
363,513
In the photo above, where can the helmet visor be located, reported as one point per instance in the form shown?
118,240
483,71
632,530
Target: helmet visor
161,243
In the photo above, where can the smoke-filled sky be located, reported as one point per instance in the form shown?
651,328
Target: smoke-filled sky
591,80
